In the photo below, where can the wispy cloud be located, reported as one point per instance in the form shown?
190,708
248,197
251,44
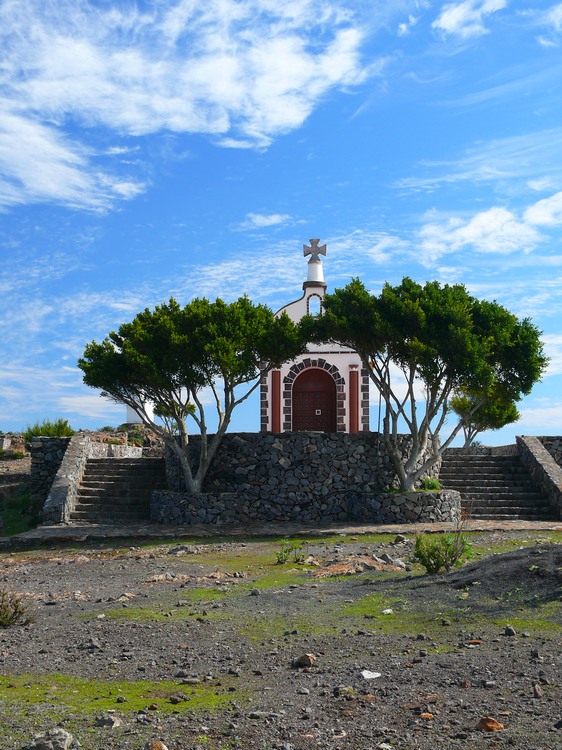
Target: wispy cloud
541,418
467,19
550,21
35,393
272,275
553,349
259,221
240,72
496,161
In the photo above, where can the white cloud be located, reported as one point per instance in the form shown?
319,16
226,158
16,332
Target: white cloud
91,406
553,350
405,28
258,221
466,19
274,273
541,418
496,230
240,71
551,21
547,212
498,161
540,183
38,164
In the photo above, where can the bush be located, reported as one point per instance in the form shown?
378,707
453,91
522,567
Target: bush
13,611
47,428
430,483
441,552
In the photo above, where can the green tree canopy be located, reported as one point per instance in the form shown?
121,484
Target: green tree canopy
495,413
421,344
167,356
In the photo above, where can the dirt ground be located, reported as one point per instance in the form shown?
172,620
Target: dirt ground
336,643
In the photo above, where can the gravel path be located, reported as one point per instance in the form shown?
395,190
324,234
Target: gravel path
211,631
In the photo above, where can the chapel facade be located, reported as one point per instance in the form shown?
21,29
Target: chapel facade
324,390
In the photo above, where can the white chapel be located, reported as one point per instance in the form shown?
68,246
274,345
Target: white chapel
324,390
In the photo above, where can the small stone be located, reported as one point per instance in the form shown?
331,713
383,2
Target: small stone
303,691
537,691
154,745
510,630
304,660
399,538
489,724
109,722
53,739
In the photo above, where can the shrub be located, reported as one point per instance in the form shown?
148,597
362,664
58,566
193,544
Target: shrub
47,428
430,483
441,552
13,611
288,549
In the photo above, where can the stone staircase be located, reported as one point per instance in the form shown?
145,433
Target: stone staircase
497,487
117,490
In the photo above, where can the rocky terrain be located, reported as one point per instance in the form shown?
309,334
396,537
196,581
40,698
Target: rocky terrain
336,643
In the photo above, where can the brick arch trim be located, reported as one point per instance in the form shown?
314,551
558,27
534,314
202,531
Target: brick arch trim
289,379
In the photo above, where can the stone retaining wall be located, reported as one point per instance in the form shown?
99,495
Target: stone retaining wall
544,470
47,454
315,463
238,508
303,477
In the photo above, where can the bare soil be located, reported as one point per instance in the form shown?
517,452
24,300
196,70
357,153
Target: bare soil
195,644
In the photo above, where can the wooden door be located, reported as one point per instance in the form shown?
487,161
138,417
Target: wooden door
314,402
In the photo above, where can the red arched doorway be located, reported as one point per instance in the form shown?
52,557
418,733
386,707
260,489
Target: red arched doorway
314,402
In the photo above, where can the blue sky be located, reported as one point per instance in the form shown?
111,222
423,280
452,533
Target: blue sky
184,148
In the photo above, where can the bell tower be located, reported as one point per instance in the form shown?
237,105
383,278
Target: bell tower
324,390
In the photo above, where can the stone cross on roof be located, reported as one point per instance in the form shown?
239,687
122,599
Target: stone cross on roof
314,250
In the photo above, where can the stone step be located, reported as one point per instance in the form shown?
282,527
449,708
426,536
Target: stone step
123,473
108,517
487,489
485,471
512,516
504,497
498,487
490,488
94,500
116,489
90,488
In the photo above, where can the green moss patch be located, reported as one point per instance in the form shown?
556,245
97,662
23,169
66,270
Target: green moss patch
85,697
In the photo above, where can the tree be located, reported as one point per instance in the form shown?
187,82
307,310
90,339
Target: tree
421,344
496,413
167,356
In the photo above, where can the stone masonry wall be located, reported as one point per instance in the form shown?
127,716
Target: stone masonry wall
554,446
544,469
47,454
301,477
